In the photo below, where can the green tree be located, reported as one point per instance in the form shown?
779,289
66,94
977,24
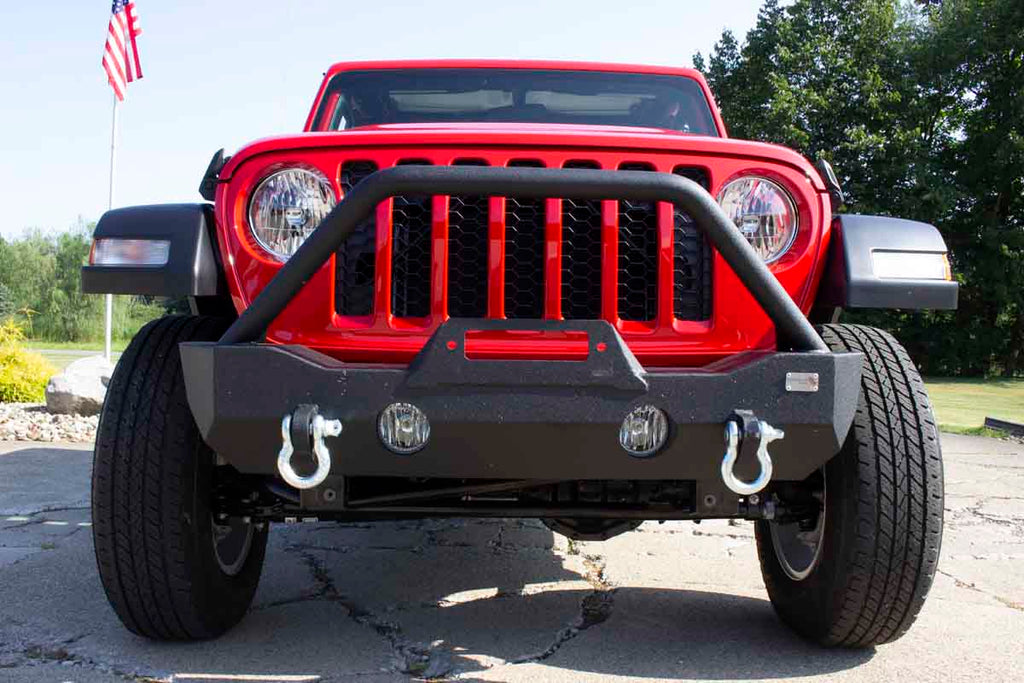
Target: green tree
919,108
40,282
67,307
7,304
987,164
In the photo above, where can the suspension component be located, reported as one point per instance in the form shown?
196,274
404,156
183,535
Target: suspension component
742,430
303,431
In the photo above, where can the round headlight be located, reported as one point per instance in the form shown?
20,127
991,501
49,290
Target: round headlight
286,207
763,212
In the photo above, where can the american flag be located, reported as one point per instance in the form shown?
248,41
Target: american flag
121,54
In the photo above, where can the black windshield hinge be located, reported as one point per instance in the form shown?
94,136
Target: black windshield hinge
208,186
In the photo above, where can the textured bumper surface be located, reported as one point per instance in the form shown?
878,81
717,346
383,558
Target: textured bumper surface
518,419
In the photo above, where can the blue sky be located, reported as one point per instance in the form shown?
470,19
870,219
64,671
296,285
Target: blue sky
219,73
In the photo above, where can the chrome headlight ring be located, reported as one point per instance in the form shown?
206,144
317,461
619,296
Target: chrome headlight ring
286,207
764,212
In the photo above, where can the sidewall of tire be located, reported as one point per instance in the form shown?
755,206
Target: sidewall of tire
876,566
152,487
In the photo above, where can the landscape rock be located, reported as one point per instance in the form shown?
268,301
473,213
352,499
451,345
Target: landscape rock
80,389
31,422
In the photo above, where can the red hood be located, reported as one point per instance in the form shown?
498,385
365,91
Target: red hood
526,135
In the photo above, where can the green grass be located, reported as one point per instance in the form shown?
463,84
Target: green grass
961,405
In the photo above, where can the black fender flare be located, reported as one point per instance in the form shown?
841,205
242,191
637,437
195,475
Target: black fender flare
193,266
850,280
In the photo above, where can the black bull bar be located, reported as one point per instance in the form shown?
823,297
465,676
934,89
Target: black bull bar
793,330
521,419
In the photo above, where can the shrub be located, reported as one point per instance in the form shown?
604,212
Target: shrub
23,374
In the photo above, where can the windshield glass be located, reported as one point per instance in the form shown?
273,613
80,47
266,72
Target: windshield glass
366,98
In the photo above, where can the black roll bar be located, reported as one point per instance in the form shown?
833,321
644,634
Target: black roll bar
793,330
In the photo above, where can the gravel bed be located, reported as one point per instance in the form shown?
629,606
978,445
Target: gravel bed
31,422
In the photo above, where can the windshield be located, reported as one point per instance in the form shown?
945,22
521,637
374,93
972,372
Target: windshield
366,98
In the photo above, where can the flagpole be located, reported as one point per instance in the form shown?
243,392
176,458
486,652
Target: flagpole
109,312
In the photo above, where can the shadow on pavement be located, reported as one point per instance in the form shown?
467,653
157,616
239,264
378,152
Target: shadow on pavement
463,596
431,598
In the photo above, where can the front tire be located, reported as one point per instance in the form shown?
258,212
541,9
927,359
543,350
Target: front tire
168,570
880,529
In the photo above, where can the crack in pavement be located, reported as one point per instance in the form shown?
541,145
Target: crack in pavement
1014,523
414,659
716,534
43,510
434,661
34,518
971,586
983,465
595,608
345,549
57,653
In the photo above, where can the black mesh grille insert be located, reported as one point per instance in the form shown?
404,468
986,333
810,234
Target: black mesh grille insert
355,262
410,257
581,255
524,252
638,256
691,262
468,219
524,258
410,253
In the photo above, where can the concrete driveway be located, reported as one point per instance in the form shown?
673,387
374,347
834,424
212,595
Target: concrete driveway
503,600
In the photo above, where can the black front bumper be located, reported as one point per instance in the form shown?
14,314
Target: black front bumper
521,420
518,419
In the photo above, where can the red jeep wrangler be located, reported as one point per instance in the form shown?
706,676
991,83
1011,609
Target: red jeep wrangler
518,289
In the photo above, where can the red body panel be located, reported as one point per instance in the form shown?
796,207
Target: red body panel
737,322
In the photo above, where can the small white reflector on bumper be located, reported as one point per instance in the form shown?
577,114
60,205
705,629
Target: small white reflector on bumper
114,251
910,265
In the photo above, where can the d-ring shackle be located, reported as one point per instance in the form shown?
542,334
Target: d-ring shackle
766,434
319,428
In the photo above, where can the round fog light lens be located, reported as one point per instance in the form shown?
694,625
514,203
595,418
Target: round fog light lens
403,428
644,431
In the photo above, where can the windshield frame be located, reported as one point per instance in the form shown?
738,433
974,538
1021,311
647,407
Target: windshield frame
319,117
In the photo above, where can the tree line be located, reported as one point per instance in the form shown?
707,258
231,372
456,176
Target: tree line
41,290
920,109
918,106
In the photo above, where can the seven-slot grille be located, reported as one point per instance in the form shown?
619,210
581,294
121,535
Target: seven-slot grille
528,242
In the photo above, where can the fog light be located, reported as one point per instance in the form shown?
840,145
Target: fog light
403,428
644,431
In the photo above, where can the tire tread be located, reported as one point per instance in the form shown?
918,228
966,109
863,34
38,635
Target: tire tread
146,448
893,460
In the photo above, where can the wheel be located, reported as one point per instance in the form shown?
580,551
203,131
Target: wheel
856,570
168,570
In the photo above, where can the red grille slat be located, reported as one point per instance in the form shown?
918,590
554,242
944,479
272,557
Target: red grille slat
553,259
382,297
496,259
439,257
665,263
610,261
